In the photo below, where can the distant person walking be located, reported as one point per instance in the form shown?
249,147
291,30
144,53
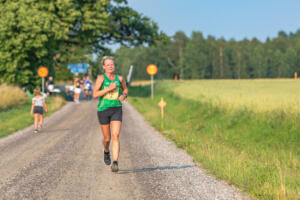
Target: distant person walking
112,90
37,109
77,89
50,85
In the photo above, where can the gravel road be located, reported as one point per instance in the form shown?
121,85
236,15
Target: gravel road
65,162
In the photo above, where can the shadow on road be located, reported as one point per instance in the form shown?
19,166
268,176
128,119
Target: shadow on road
155,168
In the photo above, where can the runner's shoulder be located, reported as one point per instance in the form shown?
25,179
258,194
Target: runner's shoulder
120,78
100,77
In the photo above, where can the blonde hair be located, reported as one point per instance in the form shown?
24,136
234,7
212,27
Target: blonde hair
37,91
106,58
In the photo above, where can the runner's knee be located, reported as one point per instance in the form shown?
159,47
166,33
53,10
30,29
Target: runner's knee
115,136
106,139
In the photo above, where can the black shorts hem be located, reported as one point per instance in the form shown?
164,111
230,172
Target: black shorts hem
110,114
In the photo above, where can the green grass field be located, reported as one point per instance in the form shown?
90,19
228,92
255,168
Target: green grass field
18,117
257,95
243,131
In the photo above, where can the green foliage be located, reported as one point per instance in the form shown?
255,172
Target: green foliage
197,57
34,33
17,118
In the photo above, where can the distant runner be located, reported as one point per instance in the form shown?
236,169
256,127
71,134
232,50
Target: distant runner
37,109
87,85
77,89
112,90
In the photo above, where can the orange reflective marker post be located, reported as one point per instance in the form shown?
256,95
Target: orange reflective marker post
43,72
162,104
152,70
176,77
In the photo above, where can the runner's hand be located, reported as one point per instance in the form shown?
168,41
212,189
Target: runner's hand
46,110
112,86
122,98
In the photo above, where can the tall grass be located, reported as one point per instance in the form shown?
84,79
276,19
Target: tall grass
257,95
18,118
11,96
139,83
258,150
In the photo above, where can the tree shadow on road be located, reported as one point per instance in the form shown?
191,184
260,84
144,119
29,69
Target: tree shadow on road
155,168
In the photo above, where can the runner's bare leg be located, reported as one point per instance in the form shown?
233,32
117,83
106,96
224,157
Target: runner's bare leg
36,120
41,120
106,136
115,132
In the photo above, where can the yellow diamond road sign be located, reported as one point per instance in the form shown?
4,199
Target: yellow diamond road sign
162,103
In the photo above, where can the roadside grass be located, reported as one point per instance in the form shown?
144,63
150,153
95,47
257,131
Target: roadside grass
11,96
19,117
140,83
257,151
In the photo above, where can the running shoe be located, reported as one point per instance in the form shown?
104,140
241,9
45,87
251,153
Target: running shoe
35,131
114,167
40,128
107,160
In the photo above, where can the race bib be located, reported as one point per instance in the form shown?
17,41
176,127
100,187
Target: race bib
112,95
87,86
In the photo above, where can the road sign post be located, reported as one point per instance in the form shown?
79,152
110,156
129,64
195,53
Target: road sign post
43,85
152,70
43,72
152,92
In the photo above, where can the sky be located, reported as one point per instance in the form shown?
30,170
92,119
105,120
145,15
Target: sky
236,19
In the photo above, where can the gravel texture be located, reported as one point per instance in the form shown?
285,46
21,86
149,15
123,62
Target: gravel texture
65,161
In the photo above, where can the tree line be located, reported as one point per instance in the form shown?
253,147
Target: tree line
56,33
199,57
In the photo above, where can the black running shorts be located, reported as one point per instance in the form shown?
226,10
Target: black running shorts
38,110
110,114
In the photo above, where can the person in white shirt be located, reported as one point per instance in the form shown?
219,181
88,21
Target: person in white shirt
37,109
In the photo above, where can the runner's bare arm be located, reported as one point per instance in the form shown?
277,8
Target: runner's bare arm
97,92
31,111
45,106
124,89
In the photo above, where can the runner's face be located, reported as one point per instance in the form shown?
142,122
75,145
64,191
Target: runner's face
109,66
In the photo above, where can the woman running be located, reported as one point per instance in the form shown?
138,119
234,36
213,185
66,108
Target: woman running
112,90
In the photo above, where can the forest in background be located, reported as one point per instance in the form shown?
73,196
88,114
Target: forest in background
199,57
55,34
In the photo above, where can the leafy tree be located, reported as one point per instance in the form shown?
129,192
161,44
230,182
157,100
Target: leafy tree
32,33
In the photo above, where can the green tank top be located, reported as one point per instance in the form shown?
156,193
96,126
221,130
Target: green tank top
110,99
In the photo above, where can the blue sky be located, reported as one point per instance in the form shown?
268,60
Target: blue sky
237,19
